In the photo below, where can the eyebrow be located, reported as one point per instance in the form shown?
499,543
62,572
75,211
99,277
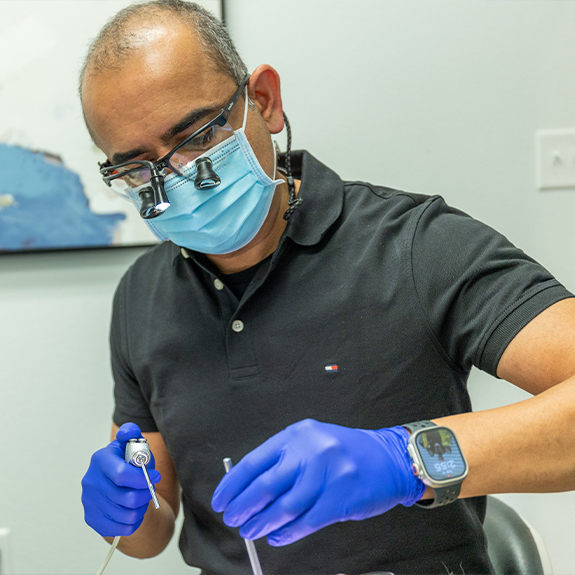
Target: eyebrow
189,120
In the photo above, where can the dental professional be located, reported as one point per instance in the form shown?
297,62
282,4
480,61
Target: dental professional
318,332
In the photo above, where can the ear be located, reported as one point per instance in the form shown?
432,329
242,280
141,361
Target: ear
264,90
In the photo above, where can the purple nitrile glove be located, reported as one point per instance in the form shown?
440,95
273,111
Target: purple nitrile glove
313,474
115,493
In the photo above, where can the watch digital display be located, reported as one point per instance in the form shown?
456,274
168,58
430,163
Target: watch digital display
440,454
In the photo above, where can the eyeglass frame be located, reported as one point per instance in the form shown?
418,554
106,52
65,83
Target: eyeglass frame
156,167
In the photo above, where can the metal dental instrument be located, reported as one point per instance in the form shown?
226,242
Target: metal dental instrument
250,546
138,454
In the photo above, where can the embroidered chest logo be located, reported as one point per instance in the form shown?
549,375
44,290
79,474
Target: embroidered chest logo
331,368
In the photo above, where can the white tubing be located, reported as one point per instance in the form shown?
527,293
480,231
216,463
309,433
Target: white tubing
109,556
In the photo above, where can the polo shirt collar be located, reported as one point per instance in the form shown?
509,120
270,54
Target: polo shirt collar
321,192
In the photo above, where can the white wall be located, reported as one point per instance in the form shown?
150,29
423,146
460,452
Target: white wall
433,96
56,406
437,97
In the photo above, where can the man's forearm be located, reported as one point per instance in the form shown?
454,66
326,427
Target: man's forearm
524,447
153,535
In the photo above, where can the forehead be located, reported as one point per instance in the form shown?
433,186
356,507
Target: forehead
165,78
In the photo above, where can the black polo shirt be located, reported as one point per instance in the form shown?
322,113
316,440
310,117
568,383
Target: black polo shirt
371,312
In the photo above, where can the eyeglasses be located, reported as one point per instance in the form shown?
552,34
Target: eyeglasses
122,178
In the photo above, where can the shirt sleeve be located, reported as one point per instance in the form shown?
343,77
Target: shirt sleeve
131,404
475,288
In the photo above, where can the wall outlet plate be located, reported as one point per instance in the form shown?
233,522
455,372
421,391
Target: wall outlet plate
555,159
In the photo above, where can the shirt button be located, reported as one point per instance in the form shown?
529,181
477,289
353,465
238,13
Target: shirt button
219,284
238,325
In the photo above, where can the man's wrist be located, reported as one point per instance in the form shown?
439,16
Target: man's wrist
413,487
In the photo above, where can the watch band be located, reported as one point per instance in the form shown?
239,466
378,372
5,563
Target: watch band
443,495
417,425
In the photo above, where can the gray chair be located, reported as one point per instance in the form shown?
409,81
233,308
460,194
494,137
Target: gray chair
514,547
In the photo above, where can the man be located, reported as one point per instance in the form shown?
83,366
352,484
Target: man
296,323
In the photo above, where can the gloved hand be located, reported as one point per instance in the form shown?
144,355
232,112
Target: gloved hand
115,493
313,474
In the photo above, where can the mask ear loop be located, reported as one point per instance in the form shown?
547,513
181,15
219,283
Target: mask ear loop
246,112
244,127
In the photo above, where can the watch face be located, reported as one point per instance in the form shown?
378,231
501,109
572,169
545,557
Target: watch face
440,454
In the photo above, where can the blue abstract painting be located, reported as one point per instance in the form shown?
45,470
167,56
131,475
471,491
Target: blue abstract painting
43,205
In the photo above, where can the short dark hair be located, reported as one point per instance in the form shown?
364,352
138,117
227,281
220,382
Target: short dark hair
117,40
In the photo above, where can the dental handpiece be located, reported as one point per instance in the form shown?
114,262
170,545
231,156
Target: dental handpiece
138,454
250,546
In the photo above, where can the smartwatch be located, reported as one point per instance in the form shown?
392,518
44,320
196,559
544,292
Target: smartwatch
437,460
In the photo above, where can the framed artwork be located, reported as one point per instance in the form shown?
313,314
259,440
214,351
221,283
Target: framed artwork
51,194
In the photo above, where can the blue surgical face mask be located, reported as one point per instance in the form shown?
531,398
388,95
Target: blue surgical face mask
223,219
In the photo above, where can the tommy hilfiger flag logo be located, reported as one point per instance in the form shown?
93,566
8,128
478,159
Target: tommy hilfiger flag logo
331,368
